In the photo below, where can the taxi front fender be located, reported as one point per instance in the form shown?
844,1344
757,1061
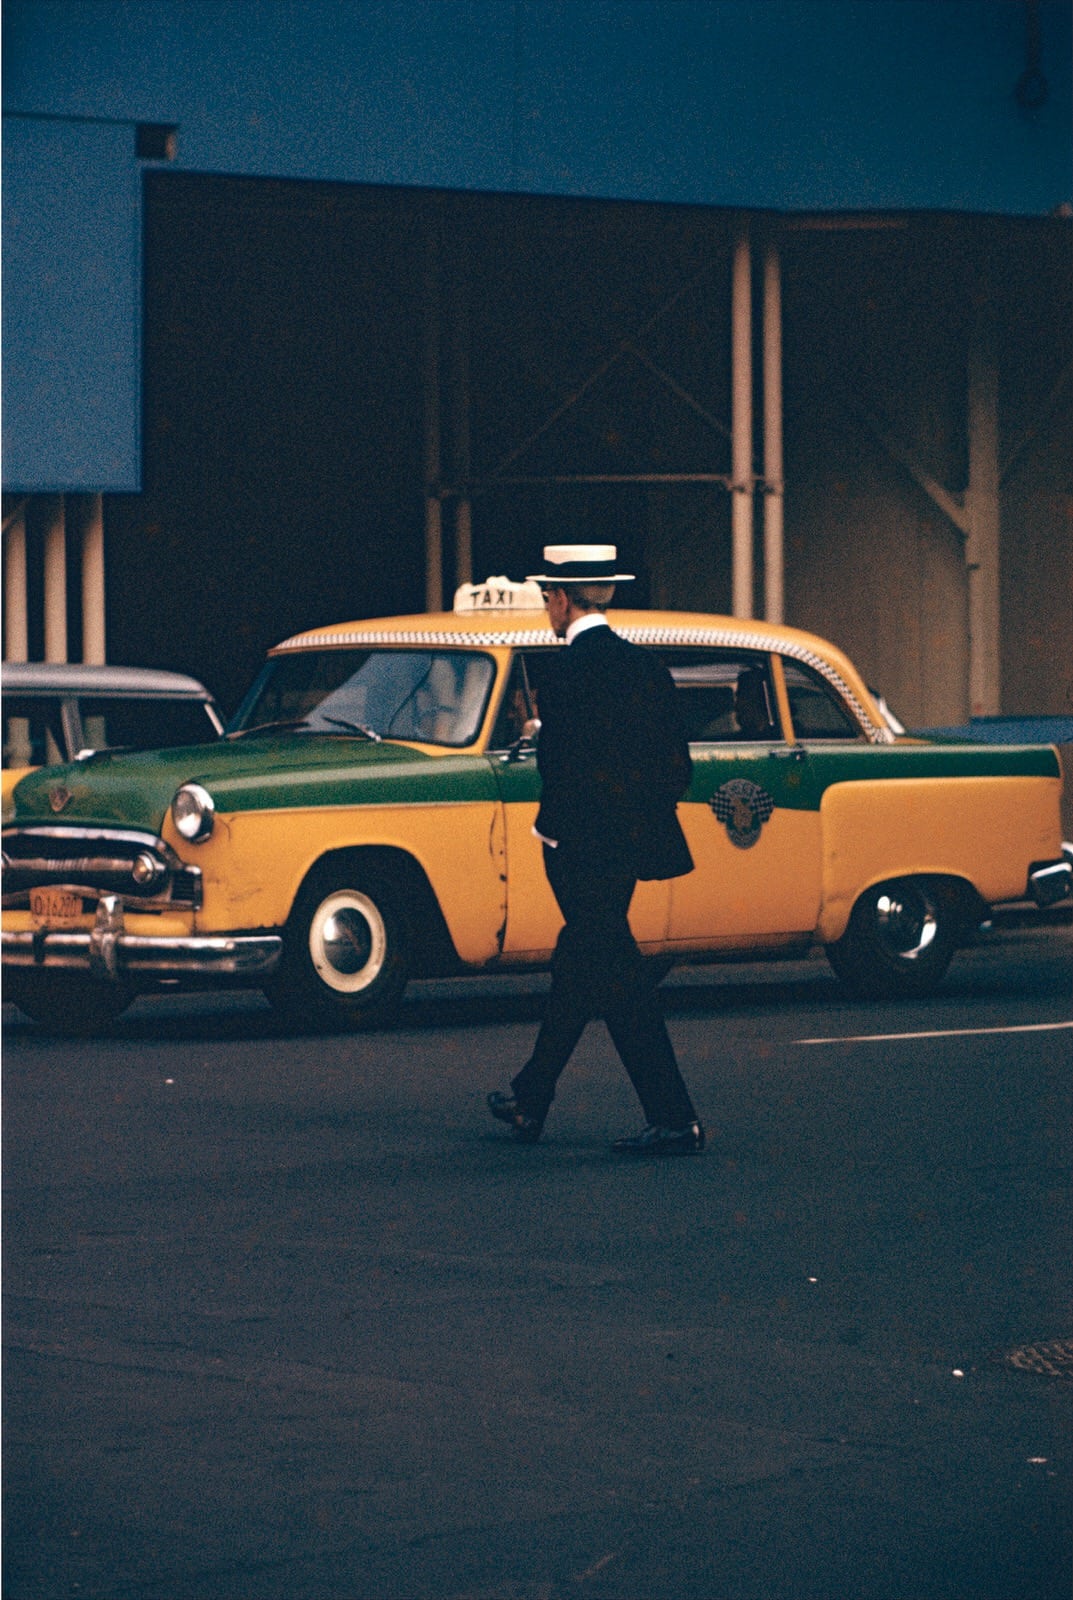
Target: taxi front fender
256,862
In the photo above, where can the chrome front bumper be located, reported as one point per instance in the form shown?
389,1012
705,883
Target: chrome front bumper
111,954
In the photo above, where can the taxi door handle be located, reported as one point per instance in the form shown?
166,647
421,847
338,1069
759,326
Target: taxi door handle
789,752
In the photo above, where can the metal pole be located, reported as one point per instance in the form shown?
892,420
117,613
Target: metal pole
774,599
55,580
432,463
460,413
982,504
19,750
741,499
16,625
93,594
464,539
433,554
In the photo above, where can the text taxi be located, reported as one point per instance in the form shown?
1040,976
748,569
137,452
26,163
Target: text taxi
368,818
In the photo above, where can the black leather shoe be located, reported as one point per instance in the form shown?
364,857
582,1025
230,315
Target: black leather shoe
524,1128
663,1142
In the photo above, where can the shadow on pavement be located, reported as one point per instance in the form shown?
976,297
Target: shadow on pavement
505,1000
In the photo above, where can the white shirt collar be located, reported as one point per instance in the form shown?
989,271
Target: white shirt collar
591,619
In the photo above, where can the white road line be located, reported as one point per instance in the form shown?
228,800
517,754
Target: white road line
948,1033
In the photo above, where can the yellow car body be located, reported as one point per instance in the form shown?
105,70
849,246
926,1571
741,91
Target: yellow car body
368,818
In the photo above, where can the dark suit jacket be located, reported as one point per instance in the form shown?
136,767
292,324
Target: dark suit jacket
612,755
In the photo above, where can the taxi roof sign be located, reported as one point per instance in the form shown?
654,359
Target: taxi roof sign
498,594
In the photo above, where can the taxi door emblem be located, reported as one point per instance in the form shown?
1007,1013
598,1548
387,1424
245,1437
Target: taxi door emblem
743,807
58,797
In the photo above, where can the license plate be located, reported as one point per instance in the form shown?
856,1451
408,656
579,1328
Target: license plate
52,908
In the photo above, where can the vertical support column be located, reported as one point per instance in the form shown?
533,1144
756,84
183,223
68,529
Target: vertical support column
982,506
16,615
433,468
18,749
93,593
741,495
433,554
460,413
55,579
774,600
464,539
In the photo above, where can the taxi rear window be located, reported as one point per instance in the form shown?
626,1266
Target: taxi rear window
817,711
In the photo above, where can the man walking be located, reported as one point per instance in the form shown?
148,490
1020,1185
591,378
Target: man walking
613,764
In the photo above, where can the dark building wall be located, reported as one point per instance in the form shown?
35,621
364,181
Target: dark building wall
789,105
284,381
1037,588
879,333
282,425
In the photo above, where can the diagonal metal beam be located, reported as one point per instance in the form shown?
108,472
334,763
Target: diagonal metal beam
951,504
676,389
623,347
1032,432
17,511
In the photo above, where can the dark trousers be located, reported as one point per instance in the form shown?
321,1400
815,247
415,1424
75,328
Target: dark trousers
598,971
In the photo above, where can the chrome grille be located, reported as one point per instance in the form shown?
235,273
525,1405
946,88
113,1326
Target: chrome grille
139,867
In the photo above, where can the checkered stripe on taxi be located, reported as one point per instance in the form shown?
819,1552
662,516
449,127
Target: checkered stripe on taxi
731,638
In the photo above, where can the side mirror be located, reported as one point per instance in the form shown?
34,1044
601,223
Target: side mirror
526,742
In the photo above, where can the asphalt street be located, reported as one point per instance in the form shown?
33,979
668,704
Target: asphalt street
290,1316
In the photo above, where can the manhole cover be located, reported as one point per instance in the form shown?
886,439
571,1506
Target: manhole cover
1053,1360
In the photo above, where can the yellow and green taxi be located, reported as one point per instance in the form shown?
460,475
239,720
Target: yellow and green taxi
368,818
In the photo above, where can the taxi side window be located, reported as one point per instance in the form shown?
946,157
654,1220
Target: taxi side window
520,705
725,697
815,707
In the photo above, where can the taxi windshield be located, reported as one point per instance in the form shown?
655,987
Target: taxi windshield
429,696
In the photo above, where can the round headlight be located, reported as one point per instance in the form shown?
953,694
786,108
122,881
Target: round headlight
193,812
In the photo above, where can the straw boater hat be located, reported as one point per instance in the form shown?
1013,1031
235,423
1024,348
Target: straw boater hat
580,563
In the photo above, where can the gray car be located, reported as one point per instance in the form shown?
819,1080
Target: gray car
60,711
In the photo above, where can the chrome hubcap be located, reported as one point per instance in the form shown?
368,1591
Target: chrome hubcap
905,921
348,941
